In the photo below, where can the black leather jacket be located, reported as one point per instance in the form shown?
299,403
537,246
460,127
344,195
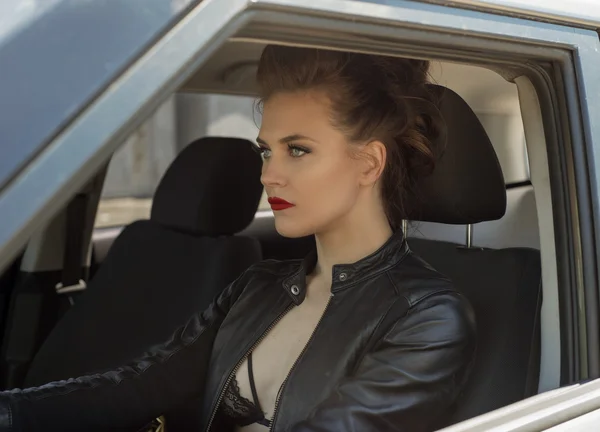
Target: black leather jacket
391,353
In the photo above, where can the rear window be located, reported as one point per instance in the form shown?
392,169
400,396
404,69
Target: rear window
222,115
136,169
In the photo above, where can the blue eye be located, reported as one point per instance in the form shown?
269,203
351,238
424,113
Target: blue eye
264,152
294,151
297,151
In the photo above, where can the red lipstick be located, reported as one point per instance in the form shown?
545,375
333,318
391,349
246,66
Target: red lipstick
279,203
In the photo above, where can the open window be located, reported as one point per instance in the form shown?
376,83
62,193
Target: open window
532,88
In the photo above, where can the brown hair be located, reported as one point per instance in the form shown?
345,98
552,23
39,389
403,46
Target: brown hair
372,98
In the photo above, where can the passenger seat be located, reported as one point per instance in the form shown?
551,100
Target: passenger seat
503,285
160,271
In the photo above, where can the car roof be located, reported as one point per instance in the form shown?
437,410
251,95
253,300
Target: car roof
57,55
577,13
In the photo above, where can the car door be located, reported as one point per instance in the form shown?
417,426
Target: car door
569,408
65,127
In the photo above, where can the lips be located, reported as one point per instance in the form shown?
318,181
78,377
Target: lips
279,203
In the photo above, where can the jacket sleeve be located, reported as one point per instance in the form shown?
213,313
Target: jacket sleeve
410,378
129,396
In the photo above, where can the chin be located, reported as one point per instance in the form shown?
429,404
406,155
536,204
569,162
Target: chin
290,229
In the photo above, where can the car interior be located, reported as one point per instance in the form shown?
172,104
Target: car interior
129,280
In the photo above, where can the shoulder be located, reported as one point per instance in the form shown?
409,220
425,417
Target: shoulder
261,274
417,281
441,320
429,300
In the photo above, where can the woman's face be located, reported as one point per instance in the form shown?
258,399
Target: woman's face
308,173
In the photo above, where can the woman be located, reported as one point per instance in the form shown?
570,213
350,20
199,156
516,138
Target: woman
359,336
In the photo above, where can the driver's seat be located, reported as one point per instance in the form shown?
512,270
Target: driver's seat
503,285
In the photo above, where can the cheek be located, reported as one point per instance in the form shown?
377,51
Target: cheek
324,193
325,180
335,189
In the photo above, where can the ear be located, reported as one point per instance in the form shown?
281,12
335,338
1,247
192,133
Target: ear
373,156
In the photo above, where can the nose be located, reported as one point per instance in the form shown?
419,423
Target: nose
272,174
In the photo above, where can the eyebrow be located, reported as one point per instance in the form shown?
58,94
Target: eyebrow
287,139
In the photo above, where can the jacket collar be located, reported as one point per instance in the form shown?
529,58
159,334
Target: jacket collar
344,275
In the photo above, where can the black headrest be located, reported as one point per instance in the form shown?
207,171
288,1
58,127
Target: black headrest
467,185
212,188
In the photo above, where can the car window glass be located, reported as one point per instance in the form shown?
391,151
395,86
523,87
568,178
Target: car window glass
136,168
218,115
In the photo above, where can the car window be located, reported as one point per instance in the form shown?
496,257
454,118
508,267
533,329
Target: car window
138,166
136,169
494,100
222,115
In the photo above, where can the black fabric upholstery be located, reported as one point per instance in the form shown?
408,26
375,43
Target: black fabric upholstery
467,185
160,271
504,287
152,280
218,194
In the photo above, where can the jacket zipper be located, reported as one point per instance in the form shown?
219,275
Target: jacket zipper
239,363
280,392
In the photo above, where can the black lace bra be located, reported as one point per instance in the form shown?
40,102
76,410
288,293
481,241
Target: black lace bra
237,410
